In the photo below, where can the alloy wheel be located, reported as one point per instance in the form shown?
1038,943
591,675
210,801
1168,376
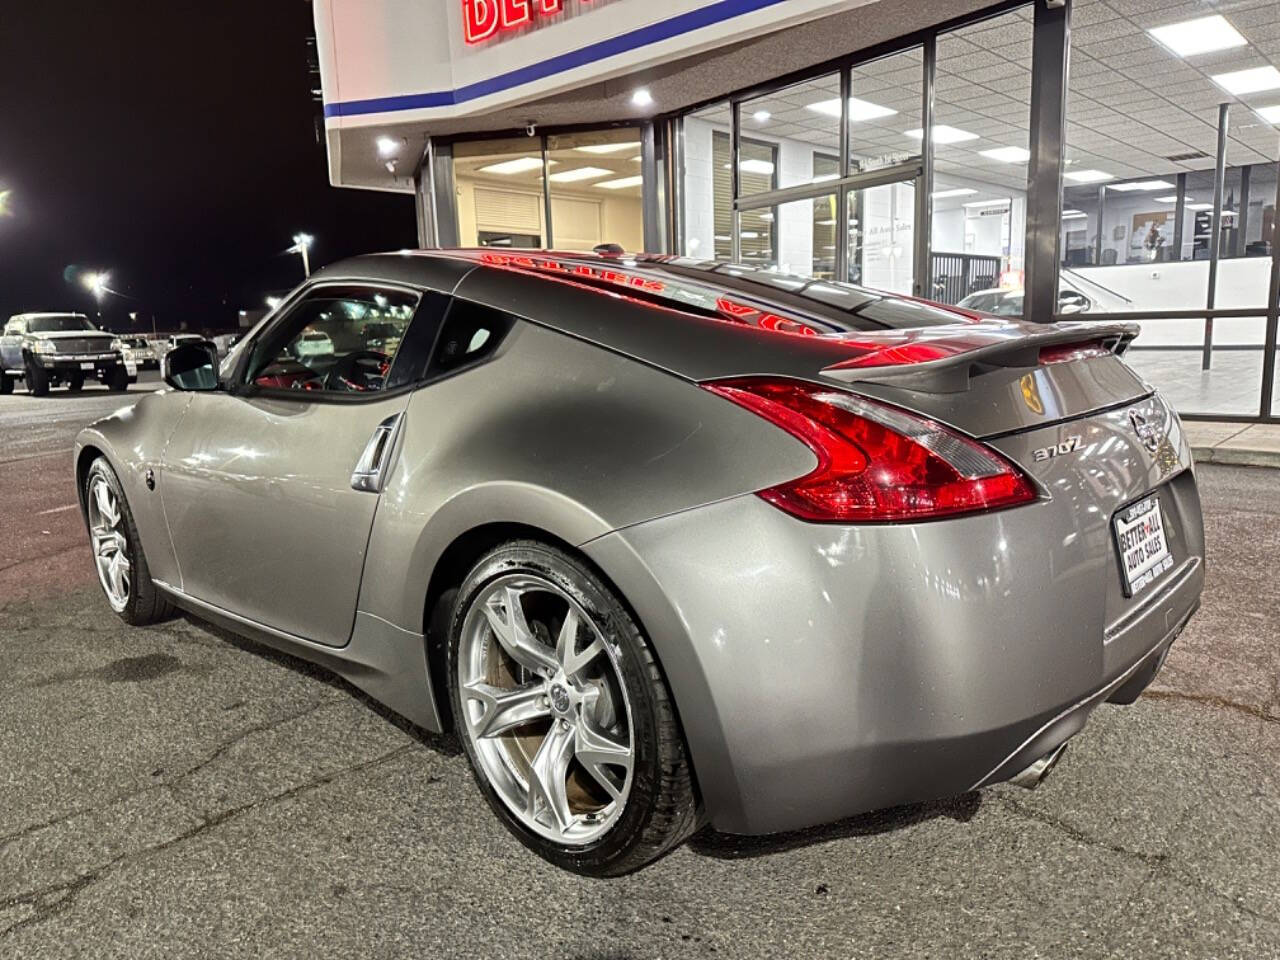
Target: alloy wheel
545,709
110,546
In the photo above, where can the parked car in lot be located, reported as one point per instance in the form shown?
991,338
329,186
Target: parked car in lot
225,341
666,542
51,349
141,351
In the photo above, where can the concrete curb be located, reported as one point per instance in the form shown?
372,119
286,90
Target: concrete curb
1239,444
1242,457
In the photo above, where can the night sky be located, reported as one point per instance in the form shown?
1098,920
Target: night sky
173,144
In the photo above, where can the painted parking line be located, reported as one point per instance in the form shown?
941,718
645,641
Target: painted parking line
69,506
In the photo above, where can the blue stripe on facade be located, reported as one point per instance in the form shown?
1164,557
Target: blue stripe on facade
634,40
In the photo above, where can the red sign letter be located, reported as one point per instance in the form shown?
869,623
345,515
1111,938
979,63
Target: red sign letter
515,13
480,19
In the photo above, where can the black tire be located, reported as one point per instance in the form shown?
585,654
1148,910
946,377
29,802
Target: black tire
118,379
75,383
146,604
6,384
662,809
37,380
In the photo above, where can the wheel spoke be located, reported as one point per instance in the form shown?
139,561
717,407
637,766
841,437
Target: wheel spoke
596,750
106,504
571,658
506,617
549,775
504,709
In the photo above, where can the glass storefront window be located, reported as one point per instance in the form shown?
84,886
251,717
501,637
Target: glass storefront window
499,193
595,183
1169,355
795,124
708,196
884,111
882,237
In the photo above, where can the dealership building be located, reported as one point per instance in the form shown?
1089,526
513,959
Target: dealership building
1096,156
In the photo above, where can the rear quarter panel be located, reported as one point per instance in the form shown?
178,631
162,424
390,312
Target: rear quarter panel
563,436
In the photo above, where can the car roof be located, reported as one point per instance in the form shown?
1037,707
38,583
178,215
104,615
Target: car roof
37,316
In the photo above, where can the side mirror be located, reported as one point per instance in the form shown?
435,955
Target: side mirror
191,366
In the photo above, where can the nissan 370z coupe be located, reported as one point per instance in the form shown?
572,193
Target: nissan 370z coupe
666,541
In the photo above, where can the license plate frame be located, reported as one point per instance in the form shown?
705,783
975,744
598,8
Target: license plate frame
1142,543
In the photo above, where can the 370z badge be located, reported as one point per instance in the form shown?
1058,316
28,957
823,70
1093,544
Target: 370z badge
1069,445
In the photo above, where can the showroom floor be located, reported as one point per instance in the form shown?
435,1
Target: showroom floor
174,791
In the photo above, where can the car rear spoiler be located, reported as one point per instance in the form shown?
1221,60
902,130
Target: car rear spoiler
948,364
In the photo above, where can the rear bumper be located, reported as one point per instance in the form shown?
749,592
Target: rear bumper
825,671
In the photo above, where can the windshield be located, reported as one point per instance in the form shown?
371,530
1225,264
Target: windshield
58,324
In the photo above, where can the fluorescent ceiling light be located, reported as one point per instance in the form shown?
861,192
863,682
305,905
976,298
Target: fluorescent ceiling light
518,165
1199,206
988,203
1141,185
581,173
723,239
1088,176
859,110
750,235
761,116
1172,199
1073,215
1008,154
756,166
824,223
943,134
1254,80
767,217
609,147
1269,114
957,192
621,184
1202,35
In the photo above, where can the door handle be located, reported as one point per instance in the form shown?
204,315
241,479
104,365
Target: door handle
370,471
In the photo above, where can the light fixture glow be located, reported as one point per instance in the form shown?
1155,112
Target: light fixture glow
942,133
581,173
1073,214
1008,154
756,166
1089,176
1202,35
859,110
987,203
508,168
1141,185
750,235
1199,206
620,184
1269,114
1170,199
273,302
96,283
388,147
761,116
642,98
955,192
609,147
1254,80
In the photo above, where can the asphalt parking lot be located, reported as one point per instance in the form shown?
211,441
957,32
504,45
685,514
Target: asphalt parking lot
174,791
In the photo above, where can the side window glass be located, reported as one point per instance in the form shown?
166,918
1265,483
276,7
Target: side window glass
470,334
335,341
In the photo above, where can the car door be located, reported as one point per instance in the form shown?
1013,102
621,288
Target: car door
270,486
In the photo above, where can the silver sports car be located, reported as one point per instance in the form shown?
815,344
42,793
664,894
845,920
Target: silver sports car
668,542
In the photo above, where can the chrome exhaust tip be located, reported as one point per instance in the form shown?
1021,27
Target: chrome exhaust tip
1034,775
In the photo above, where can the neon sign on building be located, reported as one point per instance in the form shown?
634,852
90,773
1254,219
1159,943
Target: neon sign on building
485,19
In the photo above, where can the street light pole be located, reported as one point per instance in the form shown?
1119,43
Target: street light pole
302,244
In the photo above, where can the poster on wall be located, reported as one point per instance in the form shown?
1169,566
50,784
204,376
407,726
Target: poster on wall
1151,237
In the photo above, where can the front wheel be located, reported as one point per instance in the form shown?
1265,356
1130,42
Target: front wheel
565,715
117,550
37,380
118,379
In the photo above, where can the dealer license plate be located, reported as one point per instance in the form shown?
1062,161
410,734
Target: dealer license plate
86,366
1144,551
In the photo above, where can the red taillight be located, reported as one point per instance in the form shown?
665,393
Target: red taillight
876,463
1066,352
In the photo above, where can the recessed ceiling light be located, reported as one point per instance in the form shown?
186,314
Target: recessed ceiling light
581,173
642,98
509,167
609,147
761,116
388,147
1141,185
1008,154
859,110
1172,199
988,203
756,166
1203,35
1089,176
1269,114
1199,206
943,134
956,192
620,184
1240,82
